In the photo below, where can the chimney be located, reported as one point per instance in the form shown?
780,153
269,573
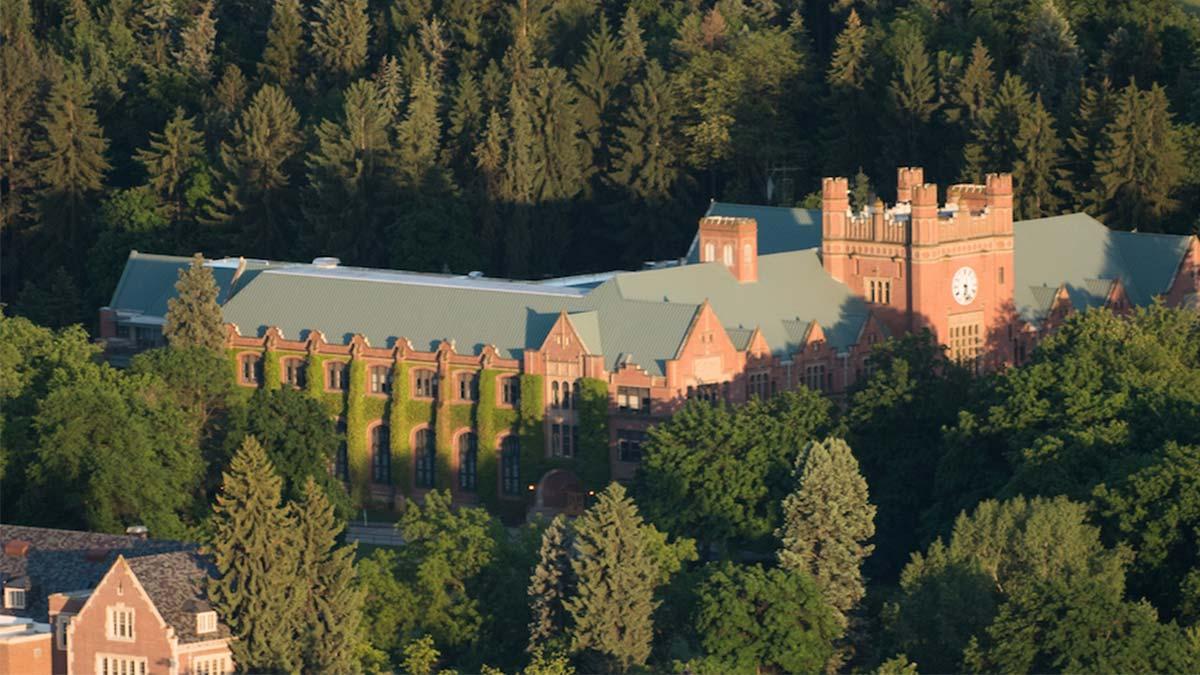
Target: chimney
733,242
139,531
16,548
907,178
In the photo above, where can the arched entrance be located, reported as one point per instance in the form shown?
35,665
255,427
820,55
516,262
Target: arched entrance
559,491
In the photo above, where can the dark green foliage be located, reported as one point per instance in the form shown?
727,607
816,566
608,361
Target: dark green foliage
55,302
193,315
751,618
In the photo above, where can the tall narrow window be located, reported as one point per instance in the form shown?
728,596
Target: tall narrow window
468,457
426,452
252,369
120,623
337,376
381,455
510,466
727,255
381,379
555,400
468,387
510,390
425,384
293,372
710,252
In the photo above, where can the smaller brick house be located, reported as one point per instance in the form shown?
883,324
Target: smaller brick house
85,602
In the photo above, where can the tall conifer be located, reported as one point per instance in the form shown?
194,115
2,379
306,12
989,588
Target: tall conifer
994,144
258,591
1036,171
173,154
597,75
912,89
285,43
549,586
197,42
645,157
193,316
339,36
1083,147
20,80
827,522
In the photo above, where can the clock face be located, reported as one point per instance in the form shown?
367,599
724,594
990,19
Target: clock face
964,286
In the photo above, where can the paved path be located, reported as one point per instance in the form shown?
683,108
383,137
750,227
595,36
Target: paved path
381,534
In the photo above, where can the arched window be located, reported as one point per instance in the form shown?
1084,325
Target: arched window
381,455
727,255
252,369
566,395
426,452
293,372
555,401
710,252
747,254
468,456
510,466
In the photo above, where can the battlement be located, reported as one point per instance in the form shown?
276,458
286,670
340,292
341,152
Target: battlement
970,211
727,224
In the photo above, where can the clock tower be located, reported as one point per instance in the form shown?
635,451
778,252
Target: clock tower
947,268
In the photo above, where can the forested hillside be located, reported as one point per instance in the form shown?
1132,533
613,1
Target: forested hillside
531,137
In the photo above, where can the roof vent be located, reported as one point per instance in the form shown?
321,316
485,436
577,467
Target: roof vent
475,274
16,548
139,531
326,262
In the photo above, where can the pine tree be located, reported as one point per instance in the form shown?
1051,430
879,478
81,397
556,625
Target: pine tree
1142,162
826,523
229,97
549,586
193,316
20,75
156,23
466,122
285,44
70,163
1050,60
597,76
418,136
860,191
977,85
994,146
1083,148
633,47
258,591
333,609
912,89
616,574
846,140
196,44
351,178
1037,168
173,154
645,158
519,184
390,80
257,161
848,69
339,36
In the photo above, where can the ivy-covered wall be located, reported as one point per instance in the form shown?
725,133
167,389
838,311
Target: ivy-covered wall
272,378
532,427
399,426
357,456
594,465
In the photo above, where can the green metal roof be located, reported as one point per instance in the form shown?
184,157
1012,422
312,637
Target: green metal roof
148,281
780,229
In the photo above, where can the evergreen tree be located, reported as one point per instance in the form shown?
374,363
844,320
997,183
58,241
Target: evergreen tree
285,44
1050,57
1037,168
228,98
519,183
848,104
1083,147
849,66
157,23
333,611
58,304
1142,162
466,123
69,163
616,574
633,46
351,178
912,88
339,37
645,160
827,522
549,587
418,136
196,44
193,315
20,84
977,85
597,75
994,147
257,161
174,155
390,80
259,590
860,191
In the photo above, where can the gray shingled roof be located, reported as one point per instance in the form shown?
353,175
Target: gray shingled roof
176,583
780,229
57,561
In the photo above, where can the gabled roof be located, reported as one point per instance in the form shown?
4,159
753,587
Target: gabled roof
780,229
176,583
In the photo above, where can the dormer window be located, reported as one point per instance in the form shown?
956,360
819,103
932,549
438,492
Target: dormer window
14,598
206,622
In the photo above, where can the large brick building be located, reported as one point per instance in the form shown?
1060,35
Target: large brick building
517,391
86,602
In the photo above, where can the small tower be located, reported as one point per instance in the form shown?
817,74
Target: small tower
732,242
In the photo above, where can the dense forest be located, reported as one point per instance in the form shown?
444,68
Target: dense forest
537,137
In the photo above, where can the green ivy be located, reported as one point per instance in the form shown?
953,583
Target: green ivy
356,435
314,376
594,464
485,427
531,427
271,375
399,428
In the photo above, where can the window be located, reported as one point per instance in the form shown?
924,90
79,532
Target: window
425,384
252,370
14,598
563,440
120,623
710,252
293,372
634,399
61,623
966,344
381,379
468,457
879,291
337,376
510,466
555,397
111,664
757,384
727,255
706,392
468,387
747,254
814,377
148,336
206,622
341,462
426,452
563,394
510,390
629,445
210,665
381,455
